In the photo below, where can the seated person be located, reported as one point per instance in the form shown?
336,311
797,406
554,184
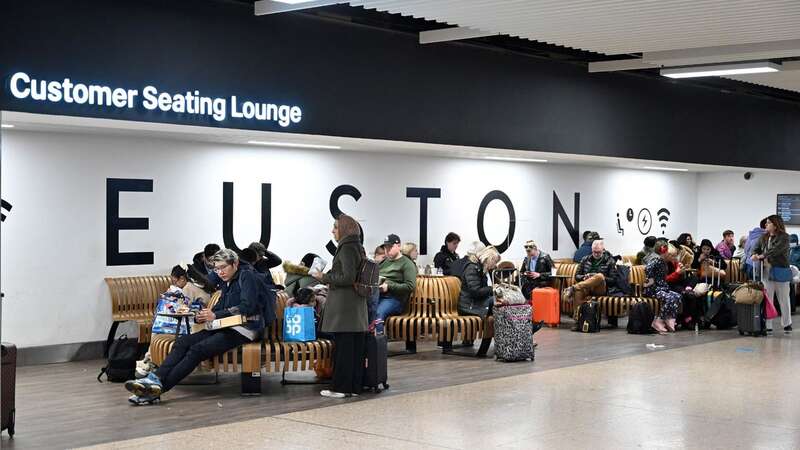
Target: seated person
379,255
457,267
477,297
409,249
398,276
585,248
656,286
595,274
266,259
708,262
201,262
179,279
686,240
241,294
447,254
647,252
739,253
297,276
726,248
794,251
536,270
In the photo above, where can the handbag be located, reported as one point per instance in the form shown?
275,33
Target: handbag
780,274
751,292
505,292
769,307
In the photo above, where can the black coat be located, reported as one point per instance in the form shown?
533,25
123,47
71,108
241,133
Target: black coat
544,266
444,259
607,266
476,296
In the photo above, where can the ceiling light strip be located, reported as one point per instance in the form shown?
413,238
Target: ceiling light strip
294,145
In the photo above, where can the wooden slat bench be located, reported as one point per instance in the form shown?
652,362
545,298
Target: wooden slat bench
135,298
269,355
433,313
609,305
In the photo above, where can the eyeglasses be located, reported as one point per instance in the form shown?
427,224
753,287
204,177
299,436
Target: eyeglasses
529,247
219,269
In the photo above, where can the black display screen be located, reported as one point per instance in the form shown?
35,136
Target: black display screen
789,208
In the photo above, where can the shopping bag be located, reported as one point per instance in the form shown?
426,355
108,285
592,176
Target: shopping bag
169,303
771,312
298,324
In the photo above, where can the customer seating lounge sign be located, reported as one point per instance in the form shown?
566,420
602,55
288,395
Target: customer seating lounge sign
191,102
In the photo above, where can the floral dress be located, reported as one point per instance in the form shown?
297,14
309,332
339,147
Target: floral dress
670,300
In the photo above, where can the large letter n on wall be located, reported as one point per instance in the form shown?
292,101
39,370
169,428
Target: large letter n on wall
558,211
115,223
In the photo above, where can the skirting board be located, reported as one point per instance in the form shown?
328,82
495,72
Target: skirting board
48,354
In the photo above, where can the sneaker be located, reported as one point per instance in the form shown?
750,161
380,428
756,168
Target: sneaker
331,394
147,386
144,368
769,331
788,329
138,400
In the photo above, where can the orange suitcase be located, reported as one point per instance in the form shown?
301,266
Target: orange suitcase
545,306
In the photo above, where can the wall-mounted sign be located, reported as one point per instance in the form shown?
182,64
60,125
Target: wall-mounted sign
22,86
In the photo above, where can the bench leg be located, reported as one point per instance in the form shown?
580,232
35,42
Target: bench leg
411,349
251,383
481,353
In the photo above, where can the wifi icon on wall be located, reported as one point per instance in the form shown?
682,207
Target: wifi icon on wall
5,206
663,218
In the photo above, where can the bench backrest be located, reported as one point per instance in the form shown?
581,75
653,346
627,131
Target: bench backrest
136,297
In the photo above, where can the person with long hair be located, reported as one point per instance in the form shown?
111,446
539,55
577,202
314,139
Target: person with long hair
657,272
772,250
345,310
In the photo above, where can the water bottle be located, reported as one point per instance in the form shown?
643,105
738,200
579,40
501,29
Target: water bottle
696,328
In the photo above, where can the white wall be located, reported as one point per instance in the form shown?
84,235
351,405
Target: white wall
53,243
725,200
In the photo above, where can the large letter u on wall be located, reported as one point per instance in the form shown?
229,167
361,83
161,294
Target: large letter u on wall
227,215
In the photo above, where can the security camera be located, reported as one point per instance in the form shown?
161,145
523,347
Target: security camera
748,175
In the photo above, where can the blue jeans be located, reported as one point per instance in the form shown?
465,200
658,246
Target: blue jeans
382,307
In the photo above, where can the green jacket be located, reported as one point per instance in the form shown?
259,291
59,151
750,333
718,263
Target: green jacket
401,277
345,310
297,278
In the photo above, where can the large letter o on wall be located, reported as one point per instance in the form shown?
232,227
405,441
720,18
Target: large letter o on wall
512,222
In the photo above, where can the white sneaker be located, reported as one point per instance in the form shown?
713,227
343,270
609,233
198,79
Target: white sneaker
331,394
144,368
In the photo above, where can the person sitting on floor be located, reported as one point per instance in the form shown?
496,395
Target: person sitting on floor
243,292
656,285
447,254
726,247
595,275
179,279
297,276
647,252
708,262
585,248
536,270
399,278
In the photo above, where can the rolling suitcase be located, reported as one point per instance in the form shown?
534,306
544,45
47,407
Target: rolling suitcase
8,374
545,306
513,333
376,373
750,320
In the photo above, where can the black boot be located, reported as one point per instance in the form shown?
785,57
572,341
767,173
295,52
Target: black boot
537,326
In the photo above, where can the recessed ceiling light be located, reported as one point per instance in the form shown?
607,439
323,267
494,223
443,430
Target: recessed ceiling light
6,125
293,144
670,169
509,158
721,69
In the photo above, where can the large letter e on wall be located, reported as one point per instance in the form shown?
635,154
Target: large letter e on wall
115,223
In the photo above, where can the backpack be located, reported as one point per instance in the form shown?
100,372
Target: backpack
640,317
726,314
623,279
368,276
121,365
266,296
589,317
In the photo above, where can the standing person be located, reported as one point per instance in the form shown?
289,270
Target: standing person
772,250
753,236
726,247
345,311
447,254
657,286
536,270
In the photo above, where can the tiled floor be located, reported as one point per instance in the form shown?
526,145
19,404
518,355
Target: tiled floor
734,393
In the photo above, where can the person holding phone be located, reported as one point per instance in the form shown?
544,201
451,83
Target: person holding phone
536,269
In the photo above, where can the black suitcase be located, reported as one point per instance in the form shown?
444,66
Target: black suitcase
750,319
589,317
375,368
8,373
